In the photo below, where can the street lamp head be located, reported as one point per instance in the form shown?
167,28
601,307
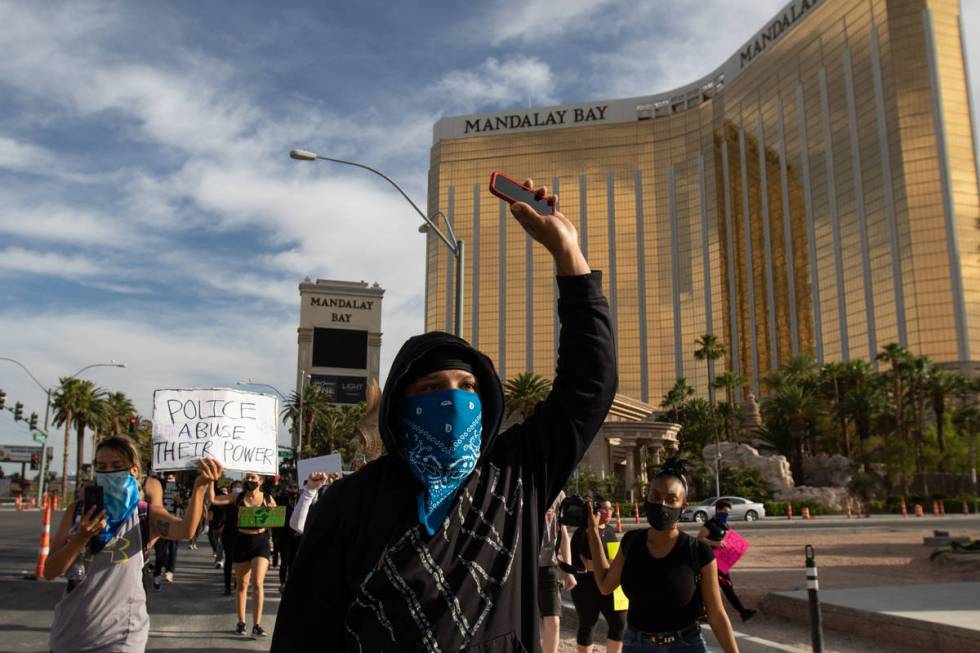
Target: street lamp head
423,228
302,155
115,363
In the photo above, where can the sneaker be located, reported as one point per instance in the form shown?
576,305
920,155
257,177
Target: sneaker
257,631
240,629
282,588
219,564
748,614
156,583
168,576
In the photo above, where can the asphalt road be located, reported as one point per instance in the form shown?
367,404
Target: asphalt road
190,615
193,615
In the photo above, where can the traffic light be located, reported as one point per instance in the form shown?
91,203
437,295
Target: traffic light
33,422
35,463
132,425
3,399
18,411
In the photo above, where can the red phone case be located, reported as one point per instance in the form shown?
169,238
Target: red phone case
506,198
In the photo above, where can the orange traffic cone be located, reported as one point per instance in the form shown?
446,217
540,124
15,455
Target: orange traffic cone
806,512
789,511
919,512
905,510
935,508
848,508
20,504
619,521
966,508
42,551
942,508
636,512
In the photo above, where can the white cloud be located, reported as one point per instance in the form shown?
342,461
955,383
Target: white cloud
538,21
49,264
59,223
514,80
19,156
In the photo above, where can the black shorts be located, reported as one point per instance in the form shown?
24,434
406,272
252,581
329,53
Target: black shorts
549,592
249,547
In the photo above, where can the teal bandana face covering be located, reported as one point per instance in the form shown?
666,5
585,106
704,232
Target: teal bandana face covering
121,494
441,435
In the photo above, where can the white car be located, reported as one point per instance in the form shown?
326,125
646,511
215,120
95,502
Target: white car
741,509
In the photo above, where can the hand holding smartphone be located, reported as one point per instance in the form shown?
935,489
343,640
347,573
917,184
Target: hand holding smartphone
511,191
94,496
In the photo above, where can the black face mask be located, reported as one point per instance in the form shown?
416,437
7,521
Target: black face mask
661,517
250,485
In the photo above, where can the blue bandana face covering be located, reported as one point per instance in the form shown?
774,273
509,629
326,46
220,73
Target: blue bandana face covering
721,517
441,435
121,494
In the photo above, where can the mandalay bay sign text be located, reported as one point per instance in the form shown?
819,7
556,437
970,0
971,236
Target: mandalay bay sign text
531,119
776,28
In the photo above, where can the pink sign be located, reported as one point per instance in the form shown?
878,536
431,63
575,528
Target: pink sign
735,548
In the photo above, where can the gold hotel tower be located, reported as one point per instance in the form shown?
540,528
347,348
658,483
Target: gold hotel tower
817,193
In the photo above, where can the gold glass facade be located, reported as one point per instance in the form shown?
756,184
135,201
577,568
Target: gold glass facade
822,199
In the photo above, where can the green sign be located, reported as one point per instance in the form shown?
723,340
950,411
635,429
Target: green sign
40,437
261,517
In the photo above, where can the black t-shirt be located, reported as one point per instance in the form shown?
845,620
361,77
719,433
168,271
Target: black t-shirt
662,590
716,530
580,546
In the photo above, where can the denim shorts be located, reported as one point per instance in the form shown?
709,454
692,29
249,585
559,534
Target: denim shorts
634,643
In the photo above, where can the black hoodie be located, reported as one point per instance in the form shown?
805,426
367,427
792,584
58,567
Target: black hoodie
368,578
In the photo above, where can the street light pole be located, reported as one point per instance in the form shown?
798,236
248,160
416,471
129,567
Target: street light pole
47,413
454,244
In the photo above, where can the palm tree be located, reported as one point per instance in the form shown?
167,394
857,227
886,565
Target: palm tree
313,403
89,413
523,392
790,412
730,381
709,349
65,401
898,357
119,408
676,397
940,385
917,374
863,400
834,384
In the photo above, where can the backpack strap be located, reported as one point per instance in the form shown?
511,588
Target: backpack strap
143,509
692,547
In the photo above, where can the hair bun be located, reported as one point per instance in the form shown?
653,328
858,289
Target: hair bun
675,465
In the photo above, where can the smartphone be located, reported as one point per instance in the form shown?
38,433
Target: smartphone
94,497
511,191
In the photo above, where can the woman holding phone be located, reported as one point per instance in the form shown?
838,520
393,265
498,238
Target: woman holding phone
250,552
104,610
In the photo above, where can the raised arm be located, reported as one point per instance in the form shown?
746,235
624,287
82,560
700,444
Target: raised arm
562,427
165,525
607,576
717,618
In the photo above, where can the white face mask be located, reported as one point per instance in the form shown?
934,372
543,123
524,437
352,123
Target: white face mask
236,490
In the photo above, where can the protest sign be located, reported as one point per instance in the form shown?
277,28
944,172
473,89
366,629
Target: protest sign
261,517
735,548
327,464
237,428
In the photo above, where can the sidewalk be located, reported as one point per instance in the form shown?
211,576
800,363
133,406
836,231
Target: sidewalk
936,618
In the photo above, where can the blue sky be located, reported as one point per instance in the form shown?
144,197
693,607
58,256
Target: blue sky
150,213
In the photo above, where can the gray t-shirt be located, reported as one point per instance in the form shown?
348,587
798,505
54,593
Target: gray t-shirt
106,611
548,557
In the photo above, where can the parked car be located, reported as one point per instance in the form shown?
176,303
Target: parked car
741,509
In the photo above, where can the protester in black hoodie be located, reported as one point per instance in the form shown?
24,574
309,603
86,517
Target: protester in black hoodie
389,562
